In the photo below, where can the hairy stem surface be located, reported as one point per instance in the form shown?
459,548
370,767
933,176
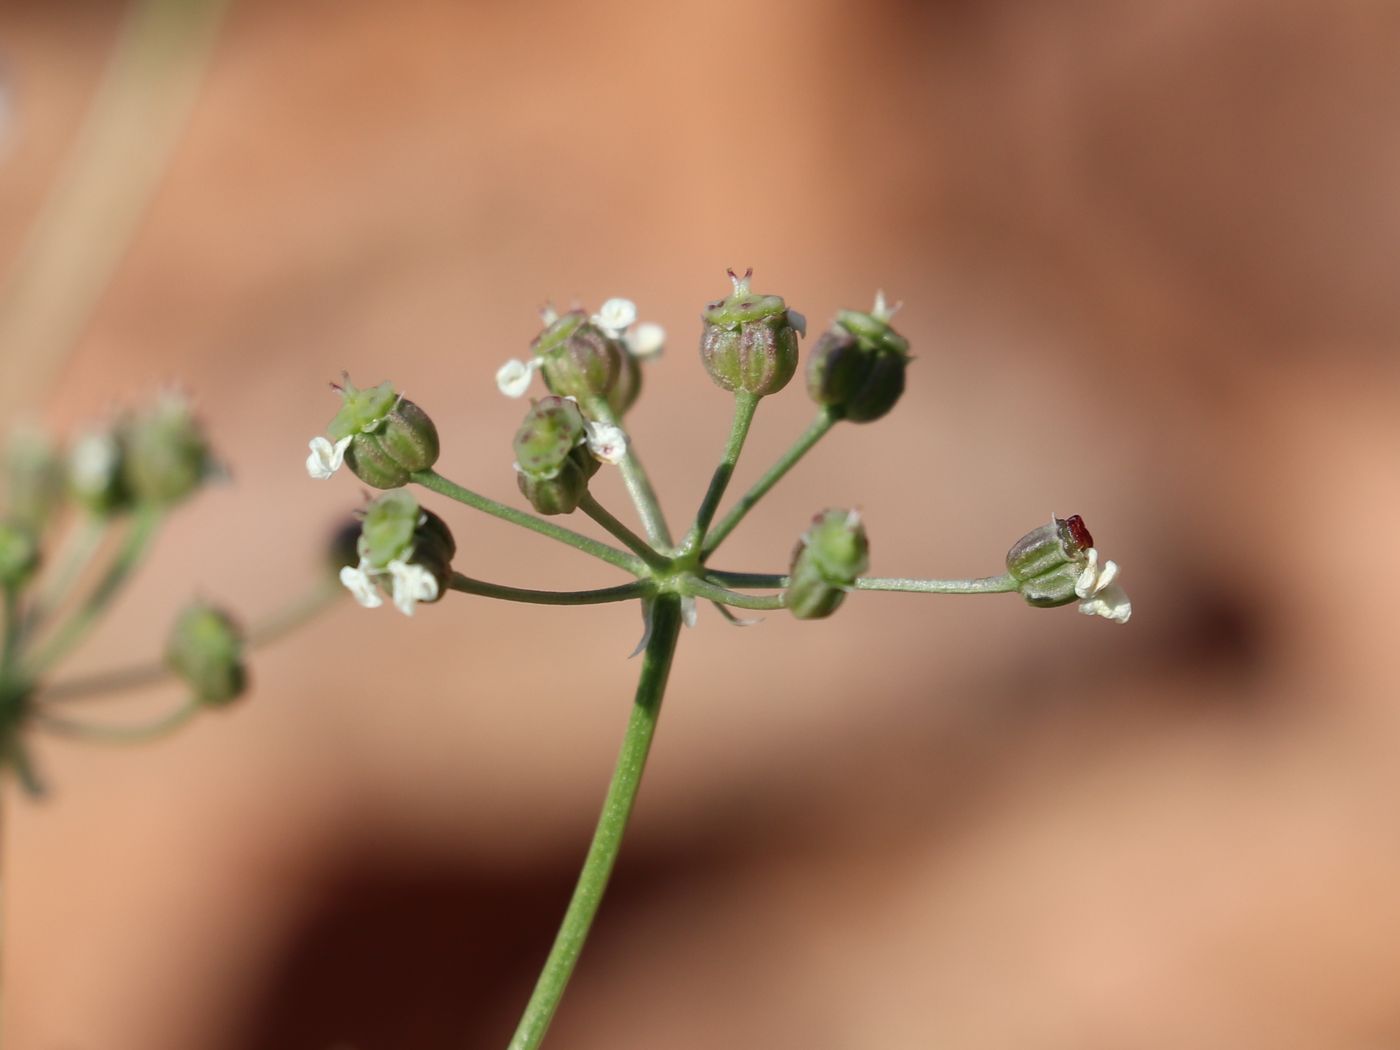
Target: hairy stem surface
607,839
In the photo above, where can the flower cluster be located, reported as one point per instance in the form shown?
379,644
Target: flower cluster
75,526
403,546
749,346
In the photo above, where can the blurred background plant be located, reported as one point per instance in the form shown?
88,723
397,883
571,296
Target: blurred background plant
1176,222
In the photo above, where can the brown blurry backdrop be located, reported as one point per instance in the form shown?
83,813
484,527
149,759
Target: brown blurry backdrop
1148,253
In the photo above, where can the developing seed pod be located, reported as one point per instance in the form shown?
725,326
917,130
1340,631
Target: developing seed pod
206,651
749,341
856,368
830,556
386,436
97,474
164,454
579,359
553,465
37,479
1048,561
404,546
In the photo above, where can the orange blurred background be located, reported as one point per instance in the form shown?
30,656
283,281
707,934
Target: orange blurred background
1148,256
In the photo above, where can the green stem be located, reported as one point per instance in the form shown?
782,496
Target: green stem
634,476
78,549
595,510
295,616
267,632
982,585
9,653
601,596
825,421
697,588
744,407
432,480
607,839
128,734
129,555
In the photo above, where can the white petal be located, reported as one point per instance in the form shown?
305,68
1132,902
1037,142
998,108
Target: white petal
412,584
93,461
1084,586
606,441
1111,603
325,458
616,316
646,340
358,583
689,614
513,377
798,321
1106,576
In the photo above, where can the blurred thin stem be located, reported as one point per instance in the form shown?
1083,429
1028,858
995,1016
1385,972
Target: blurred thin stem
825,421
88,219
136,676
139,733
607,838
144,525
80,545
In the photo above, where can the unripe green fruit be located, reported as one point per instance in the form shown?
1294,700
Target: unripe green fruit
748,343
1047,562
856,368
206,650
828,559
390,436
164,453
578,359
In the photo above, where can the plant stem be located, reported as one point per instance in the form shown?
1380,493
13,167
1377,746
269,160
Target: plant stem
295,616
128,734
697,588
634,476
607,839
9,653
984,585
129,555
745,405
134,676
601,596
825,421
79,547
432,480
595,510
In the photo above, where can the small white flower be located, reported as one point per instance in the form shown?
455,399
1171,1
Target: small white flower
882,312
94,460
359,582
412,584
798,322
325,458
606,441
646,340
616,316
1098,593
513,377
